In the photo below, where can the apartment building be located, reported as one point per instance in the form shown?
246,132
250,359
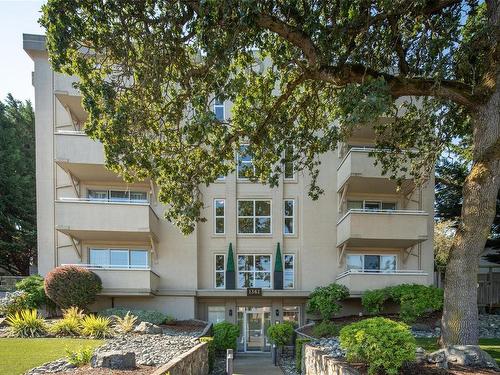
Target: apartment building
361,233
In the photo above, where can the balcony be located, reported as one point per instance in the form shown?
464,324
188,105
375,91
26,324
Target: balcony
85,219
359,281
358,171
71,100
125,281
382,228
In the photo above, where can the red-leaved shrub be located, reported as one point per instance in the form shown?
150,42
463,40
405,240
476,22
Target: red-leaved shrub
72,286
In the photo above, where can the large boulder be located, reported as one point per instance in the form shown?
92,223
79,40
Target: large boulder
148,328
114,360
463,355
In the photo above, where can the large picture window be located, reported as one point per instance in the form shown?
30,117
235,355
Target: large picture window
245,168
220,271
219,216
254,216
289,272
371,263
118,196
119,258
254,271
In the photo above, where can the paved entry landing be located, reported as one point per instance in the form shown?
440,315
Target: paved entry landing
248,364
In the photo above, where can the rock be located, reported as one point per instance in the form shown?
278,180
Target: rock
437,357
59,365
420,355
3,322
463,355
148,328
116,359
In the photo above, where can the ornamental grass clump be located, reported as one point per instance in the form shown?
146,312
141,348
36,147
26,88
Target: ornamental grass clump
96,327
70,324
26,323
125,324
80,357
383,344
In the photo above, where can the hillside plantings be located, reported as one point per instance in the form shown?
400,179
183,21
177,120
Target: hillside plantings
71,286
150,316
324,301
70,324
299,343
96,327
326,329
80,357
33,287
383,344
125,324
26,323
415,300
225,336
280,334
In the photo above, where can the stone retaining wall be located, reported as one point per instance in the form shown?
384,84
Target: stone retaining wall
8,283
192,362
317,362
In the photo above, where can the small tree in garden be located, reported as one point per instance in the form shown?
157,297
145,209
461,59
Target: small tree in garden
225,336
325,300
72,286
36,298
280,334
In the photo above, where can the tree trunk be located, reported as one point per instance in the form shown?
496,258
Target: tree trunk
460,313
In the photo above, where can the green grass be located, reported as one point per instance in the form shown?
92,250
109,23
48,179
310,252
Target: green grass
19,355
492,346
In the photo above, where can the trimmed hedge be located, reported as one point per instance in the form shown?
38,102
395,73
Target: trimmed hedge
280,334
150,316
415,300
383,344
72,286
225,336
211,351
325,300
299,343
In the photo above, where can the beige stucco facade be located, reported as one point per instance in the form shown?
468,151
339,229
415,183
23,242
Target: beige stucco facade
180,275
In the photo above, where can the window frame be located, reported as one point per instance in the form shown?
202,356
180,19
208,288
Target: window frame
219,271
381,204
294,174
215,216
218,104
293,233
254,272
109,200
377,254
293,270
222,309
254,217
243,162
120,249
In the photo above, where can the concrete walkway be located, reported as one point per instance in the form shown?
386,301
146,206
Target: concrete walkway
255,365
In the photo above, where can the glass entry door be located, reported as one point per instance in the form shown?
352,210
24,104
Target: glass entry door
253,323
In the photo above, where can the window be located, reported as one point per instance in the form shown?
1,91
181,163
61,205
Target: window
289,272
371,263
119,258
245,162
118,196
219,109
254,271
288,167
371,205
289,214
291,314
219,213
220,271
254,216
216,314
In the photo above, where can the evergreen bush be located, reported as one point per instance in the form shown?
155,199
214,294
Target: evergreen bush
225,336
325,300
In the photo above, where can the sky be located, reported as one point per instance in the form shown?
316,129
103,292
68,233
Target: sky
17,17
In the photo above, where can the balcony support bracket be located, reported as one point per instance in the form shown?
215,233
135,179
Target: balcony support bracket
77,245
153,249
341,251
342,198
407,253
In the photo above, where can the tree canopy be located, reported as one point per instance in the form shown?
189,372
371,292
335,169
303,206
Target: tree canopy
17,186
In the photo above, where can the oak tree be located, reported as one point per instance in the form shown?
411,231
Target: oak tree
149,72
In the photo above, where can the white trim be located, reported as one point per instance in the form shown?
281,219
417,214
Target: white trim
218,271
107,267
289,217
293,270
254,217
373,272
215,217
382,212
254,271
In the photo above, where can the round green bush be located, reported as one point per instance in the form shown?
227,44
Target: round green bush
225,336
325,300
383,344
280,334
35,292
72,286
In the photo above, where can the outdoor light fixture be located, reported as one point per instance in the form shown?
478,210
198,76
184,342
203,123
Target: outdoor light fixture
230,312
277,312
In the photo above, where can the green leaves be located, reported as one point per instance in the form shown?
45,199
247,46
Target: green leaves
325,300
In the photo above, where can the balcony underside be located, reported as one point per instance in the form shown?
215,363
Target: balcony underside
396,243
74,104
375,185
105,235
89,172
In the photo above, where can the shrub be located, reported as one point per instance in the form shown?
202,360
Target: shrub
80,357
72,286
125,324
73,312
414,300
150,316
326,329
26,323
35,293
70,324
225,336
324,300
280,334
13,302
381,343
98,327
299,343
211,352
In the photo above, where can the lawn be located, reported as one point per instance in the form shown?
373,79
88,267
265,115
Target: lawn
492,346
19,355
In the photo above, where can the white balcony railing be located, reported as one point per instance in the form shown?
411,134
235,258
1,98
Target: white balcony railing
104,201
109,266
381,211
381,272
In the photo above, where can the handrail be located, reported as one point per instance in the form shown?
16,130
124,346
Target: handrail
70,132
94,200
381,211
109,267
381,272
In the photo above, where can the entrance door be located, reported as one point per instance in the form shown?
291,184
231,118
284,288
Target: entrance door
253,322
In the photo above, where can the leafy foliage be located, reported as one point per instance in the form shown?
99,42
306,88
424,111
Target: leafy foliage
444,232
211,352
70,324
280,334
35,293
26,323
97,327
225,336
381,343
80,357
17,184
71,286
125,324
299,343
151,316
13,302
326,329
414,300
325,300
